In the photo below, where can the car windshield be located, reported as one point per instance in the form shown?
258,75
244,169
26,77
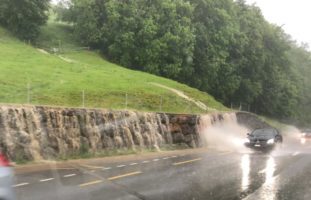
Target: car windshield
264,132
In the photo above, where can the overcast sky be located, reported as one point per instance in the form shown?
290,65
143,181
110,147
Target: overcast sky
294,14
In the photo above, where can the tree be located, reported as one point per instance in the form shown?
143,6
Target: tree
154,36
223,47
24,17
216,30
62,11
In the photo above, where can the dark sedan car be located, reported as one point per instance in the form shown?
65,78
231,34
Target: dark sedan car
263,138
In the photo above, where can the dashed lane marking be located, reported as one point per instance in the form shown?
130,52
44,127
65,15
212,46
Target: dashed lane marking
20,185
106,168
145,161
69,175
45,180
110,179
133,164
165,158
91,166
119,166
155,160
296,153
187,161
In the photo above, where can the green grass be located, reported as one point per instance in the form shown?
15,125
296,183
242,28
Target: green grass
56,82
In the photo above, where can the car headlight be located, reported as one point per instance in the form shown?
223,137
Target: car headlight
246,140
271,141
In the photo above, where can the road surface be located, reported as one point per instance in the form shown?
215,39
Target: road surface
207,174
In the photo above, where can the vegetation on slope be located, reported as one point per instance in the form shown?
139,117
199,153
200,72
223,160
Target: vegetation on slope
45,78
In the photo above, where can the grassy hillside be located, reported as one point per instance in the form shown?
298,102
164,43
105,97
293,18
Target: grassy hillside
59,79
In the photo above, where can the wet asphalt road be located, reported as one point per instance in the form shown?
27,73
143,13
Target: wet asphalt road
281,174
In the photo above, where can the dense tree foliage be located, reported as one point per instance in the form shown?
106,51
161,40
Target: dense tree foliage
137,35
301,58
223,47
23,17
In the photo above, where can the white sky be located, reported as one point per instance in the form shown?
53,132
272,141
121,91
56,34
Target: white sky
294,14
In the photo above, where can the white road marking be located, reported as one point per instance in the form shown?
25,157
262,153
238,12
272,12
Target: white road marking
48,179
155,160
21,184
146,161
262,171
133,164
173,156
187,161
165,158
106,168
69,175
121,166
296,153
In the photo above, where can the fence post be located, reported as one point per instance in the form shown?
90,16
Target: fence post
60,46
28,93
161,104
83,98
125,100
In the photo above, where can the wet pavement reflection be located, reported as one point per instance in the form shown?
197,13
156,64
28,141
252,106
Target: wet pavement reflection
269,187
258,170
245,165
